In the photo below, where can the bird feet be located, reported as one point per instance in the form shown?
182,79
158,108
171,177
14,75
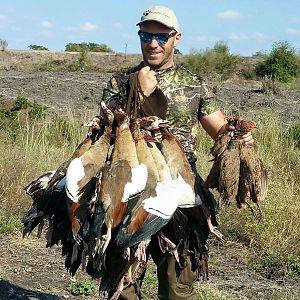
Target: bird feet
105,240
140,252
167,245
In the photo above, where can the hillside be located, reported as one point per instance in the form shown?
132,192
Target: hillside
63,91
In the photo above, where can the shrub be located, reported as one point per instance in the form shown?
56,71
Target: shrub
282,64
295,133
83,287
10,223
270,85
21,103
93,47
37,47
83,63
213,61
3,45
37,111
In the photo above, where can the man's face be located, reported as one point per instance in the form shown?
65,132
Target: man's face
156,55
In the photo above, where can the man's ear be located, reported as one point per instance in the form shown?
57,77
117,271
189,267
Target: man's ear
177,39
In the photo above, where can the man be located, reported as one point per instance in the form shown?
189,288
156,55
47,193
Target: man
173,93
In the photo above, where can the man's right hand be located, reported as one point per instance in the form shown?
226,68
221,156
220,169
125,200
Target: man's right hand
148,81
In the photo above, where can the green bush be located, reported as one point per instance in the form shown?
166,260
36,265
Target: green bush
9,223
37,47
83,287
93,47
214,61
282,64
37,111
295,133
3,45
21,103
83,63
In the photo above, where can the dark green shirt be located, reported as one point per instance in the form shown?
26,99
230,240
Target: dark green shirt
188,99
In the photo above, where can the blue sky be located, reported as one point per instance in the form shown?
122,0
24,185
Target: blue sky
246,26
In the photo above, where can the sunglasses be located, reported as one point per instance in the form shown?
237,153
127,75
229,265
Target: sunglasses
161,38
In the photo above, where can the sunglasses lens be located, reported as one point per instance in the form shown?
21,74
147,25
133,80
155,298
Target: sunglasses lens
145,37
162,38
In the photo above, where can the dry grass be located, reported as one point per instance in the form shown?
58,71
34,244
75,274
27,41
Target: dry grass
31,147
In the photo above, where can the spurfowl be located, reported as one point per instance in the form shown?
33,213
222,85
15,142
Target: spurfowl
237,172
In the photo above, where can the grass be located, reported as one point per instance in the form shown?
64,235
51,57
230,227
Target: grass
84,287
30,146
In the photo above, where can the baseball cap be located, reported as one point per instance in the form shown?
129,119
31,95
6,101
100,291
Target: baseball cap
160,14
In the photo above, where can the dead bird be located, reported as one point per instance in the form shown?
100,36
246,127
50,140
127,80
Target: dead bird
237,171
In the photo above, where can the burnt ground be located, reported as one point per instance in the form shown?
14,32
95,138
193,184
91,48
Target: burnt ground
81,91
30,271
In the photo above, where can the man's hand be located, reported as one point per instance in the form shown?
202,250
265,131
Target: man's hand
246,139
148,81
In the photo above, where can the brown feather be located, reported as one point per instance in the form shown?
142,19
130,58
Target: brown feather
229,172
176,159
137,221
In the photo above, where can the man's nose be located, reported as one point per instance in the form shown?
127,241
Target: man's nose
154,42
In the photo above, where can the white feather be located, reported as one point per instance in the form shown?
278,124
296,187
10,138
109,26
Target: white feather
75,173
138,182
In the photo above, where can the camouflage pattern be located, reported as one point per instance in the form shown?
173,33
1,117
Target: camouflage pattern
189,98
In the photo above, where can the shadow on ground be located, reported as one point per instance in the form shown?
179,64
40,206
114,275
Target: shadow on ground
11,291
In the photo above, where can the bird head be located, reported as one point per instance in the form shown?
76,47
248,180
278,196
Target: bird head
244,126
93,125
108,116
152,123
121,117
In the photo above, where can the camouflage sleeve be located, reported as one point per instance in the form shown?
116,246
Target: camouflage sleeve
207,104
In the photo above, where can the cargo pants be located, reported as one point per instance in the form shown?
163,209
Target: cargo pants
170,286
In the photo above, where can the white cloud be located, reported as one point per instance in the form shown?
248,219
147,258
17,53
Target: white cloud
261,36
292,31
88,26
46,24
70,28
47,34
296,20
205,39
237,36
117,25
2,18
229,15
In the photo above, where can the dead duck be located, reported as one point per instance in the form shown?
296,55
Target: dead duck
82,170
126,178
45,190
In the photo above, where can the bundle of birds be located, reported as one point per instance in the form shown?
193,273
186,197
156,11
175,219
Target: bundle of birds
237,171
119,190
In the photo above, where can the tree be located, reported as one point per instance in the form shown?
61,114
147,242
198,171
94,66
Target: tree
3,44
37,47
177,51
92,47
282,64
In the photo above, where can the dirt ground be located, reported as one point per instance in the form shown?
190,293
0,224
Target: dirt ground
30,271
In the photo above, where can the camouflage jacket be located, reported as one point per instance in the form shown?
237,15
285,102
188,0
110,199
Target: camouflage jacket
188,99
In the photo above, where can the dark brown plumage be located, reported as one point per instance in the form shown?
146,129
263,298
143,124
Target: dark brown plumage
237,171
